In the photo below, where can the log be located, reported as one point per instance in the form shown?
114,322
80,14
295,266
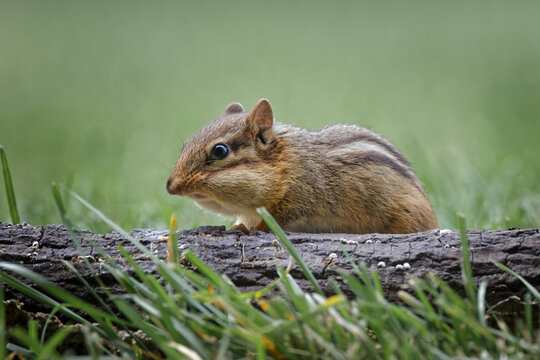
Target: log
250,261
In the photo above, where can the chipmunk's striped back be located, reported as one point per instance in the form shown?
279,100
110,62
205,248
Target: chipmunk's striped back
353,145
352,180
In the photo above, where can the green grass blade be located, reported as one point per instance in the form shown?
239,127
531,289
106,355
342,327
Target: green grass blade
27,354
377,283
421,295
88,286
105,325
297,305
141,323
10,192
70,228
180,284
294,293
172,243
278,231
49,317
58,199
224,345
210,274
482,303
533,348
260,350
531,288
528,316
466,267
49,349
130,284
26,337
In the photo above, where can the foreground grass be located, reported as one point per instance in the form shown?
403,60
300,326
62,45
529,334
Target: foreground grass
201,315
104,102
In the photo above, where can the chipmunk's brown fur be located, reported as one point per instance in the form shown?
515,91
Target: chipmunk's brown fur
342,178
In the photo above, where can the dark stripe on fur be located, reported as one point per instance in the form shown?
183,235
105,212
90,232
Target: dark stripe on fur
239,162
380,159
372,139
238,143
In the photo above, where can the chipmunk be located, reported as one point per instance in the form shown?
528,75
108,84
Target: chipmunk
341,178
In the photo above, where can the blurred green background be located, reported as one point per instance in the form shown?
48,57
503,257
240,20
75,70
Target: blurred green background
100,95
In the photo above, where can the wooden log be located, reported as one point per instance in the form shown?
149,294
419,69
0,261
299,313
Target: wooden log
250,261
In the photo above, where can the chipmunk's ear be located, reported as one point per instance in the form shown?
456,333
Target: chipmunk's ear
261,117
233,109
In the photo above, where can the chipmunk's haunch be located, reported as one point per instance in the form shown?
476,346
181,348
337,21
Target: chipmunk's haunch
342,178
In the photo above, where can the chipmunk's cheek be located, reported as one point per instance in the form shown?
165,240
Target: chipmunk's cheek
239,192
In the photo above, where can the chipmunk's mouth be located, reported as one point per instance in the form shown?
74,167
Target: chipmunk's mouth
200,198
208,203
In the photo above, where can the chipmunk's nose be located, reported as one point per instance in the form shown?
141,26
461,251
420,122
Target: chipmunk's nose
172,188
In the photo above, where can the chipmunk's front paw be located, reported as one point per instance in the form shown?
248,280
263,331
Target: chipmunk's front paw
260,227
240,227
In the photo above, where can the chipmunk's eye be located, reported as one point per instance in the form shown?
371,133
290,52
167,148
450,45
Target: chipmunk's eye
219,151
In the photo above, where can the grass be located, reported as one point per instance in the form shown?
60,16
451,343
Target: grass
202,315
10,192
101,96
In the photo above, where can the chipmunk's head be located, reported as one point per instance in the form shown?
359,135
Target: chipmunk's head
230,165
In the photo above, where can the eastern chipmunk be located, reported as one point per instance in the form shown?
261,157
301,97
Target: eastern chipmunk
342,178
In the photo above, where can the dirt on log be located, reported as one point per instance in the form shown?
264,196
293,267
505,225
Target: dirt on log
250,261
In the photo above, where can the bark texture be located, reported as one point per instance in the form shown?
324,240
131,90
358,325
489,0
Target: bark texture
250,261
